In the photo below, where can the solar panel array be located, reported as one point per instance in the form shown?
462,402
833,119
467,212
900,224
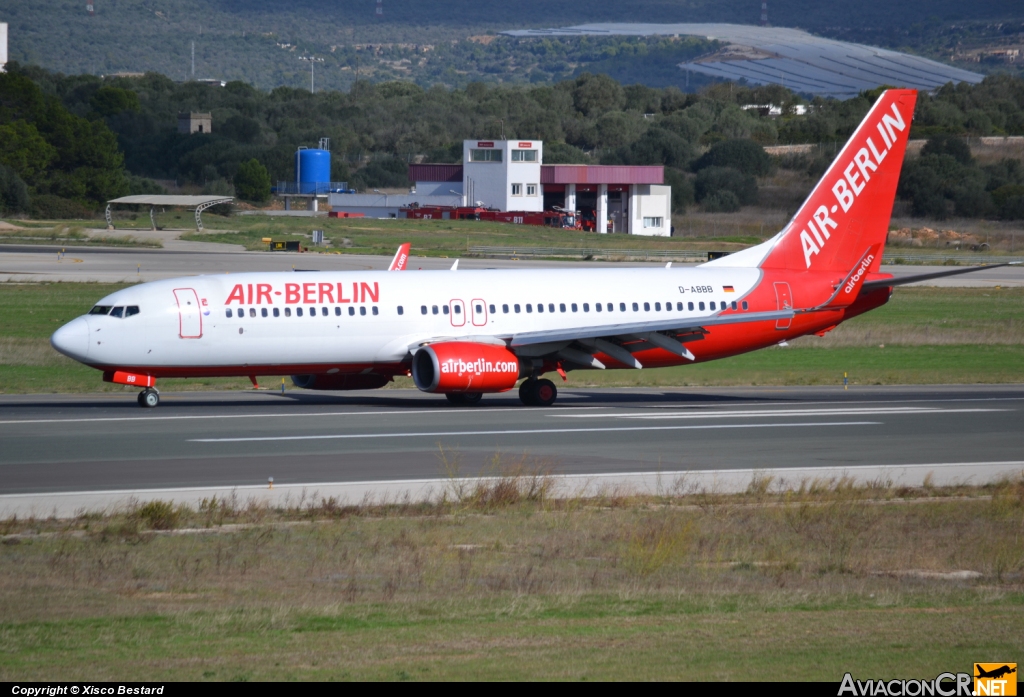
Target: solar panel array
791,57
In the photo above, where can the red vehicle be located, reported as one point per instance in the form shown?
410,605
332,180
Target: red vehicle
555,218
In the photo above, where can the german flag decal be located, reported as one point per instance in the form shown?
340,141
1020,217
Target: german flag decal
728,289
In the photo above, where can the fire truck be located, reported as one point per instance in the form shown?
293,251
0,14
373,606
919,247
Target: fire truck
566,220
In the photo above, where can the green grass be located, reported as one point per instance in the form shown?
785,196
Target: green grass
929,335
61,234
507,582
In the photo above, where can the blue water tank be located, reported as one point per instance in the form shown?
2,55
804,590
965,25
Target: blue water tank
313,170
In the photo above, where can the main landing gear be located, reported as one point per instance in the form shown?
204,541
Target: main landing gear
464,399
538,393
149,398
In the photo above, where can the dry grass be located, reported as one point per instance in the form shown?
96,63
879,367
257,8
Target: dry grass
503,577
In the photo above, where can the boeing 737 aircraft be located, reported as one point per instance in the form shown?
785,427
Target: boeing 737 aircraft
466,333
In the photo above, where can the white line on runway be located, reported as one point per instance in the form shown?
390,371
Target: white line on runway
867,411
531,431
439,410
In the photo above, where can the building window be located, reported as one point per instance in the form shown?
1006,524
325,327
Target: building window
531,189
517,189
524,155
653,222
484,155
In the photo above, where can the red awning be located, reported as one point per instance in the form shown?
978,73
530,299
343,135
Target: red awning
602,174
435,173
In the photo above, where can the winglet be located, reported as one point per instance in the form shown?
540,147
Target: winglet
401,259
455,266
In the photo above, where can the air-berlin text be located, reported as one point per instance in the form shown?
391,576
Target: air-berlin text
308,293
852,179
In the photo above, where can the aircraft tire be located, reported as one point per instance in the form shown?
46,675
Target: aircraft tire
526,392
545,393
464,399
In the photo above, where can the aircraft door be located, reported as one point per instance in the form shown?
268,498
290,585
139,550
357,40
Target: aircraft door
785,299
457,313
190,317
479,308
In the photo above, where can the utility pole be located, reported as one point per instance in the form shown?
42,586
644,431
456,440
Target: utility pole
193,60
312,64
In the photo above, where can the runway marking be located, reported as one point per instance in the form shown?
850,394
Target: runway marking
438,410
530,431
867,411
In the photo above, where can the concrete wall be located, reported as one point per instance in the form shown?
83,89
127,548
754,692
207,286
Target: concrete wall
651,201
3,45
491,182
441,189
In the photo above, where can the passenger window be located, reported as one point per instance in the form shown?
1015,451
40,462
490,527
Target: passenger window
337,312
586,308
287,312
504,309
444,309
540,307
561,307
117,312
516,308
263,311
252,311
491,308
401,311
131,310
701,306
374,308
423,310
312,312
657,306
636,308
712,304
551,307
351,311
622,307
679,306
434,309
298,312
227,312
104,309
734,304
479,309
744,304
277,312
689,306
324,311
647,307
362,311
597,306
458,309
529,307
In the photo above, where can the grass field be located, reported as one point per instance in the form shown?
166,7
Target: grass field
504,582
923,335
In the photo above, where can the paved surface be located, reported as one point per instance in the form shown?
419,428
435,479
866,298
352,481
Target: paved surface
114,265
106,442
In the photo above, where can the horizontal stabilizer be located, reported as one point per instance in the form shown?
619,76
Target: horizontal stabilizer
875,284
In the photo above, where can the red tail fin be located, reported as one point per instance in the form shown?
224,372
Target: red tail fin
401,259
850,208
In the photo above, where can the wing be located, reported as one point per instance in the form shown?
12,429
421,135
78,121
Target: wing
578,345
875,284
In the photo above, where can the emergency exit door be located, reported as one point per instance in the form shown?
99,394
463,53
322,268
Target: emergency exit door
785,300
190,317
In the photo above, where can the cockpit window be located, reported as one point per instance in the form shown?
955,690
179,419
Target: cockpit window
117,312
131,310
100,310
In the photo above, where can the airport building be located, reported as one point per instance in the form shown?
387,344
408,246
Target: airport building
510,175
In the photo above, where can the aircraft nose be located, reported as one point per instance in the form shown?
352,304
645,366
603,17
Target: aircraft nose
72,339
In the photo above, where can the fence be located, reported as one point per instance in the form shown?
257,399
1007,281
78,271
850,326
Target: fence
590,253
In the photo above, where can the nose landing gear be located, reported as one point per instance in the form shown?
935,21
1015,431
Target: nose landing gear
149,398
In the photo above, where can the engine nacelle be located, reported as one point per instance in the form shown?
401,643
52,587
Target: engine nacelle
340,381
462,366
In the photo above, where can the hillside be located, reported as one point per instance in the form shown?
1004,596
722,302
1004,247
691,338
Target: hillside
447,41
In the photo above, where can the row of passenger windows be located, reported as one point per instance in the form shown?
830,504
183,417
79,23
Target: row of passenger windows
479,308
598,307
120,311
312,311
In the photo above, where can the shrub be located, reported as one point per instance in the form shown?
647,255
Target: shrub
740,154
56,208
712,180
723,201
13,192
252,181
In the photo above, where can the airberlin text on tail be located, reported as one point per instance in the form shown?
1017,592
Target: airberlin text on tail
849,209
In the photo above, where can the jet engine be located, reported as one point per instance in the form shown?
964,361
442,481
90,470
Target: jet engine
462,366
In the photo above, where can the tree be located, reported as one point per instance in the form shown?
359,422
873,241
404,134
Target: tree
25,151
13,192
252,181
107,101
744,155
711,181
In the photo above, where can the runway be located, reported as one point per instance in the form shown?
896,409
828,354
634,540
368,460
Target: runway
37,263
77,443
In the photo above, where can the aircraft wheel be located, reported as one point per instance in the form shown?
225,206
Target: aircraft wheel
526,392
464,399
544,393
149,398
